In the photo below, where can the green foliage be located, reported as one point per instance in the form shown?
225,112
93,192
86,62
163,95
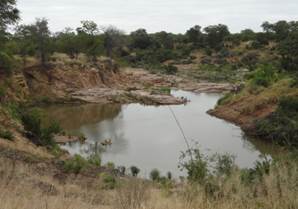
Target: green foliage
14,110
264,76
288,48
224,164
255,174
170,69
250,60
75,164
140,39
2,92
169,175
109,181
155,175
38,134
195,36
6,62
226,98
6,134
94,160
282,125
216,35
9,14
110,165
216,73
134,171
195,164
162,90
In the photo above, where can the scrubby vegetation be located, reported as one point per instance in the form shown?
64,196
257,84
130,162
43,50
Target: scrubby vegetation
6,134
282,125
31,120
267,61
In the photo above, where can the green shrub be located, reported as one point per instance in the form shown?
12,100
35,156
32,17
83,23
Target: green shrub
134,171
155,175
264,76
39,135
255,174
6,63
282,125
75,164
94,160
109,181
5,134
224,164
295,80
2,92
195,165
169,175
224,99
170,69
110,165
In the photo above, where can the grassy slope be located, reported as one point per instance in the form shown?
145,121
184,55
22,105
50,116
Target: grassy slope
253,104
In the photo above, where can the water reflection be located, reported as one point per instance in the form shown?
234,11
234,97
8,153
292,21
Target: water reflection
148,137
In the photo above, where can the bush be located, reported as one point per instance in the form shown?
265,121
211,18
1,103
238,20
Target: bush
195,165
134,171
155,175
281,126
109,181
170,69
110,165
5,134
264,76
94,160
6,63
250,175
226,98
39,135
2,92
169,175
223,164
75,164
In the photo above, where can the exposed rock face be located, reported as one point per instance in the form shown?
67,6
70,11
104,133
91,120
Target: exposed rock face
109,95
59,79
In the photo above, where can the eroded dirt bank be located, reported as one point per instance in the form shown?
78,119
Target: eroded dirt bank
103,82
250,105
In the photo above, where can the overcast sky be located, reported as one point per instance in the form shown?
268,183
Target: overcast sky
157,15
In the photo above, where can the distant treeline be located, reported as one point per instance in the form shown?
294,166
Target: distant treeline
138,47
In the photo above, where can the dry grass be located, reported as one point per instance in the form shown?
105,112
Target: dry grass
24,186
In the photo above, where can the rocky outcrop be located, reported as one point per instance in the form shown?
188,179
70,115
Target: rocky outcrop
109,95
60,79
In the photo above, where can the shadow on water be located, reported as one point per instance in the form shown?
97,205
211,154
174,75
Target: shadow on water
148,137
73,117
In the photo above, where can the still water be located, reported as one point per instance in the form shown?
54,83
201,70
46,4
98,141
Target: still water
148,136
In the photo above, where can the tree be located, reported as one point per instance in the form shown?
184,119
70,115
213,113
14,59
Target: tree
155,175
247,35
216,35
25,43
89,27
140,39
89,40
134,171
195,36
288,49
67,42
39,34
112,39
164,40
9,14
